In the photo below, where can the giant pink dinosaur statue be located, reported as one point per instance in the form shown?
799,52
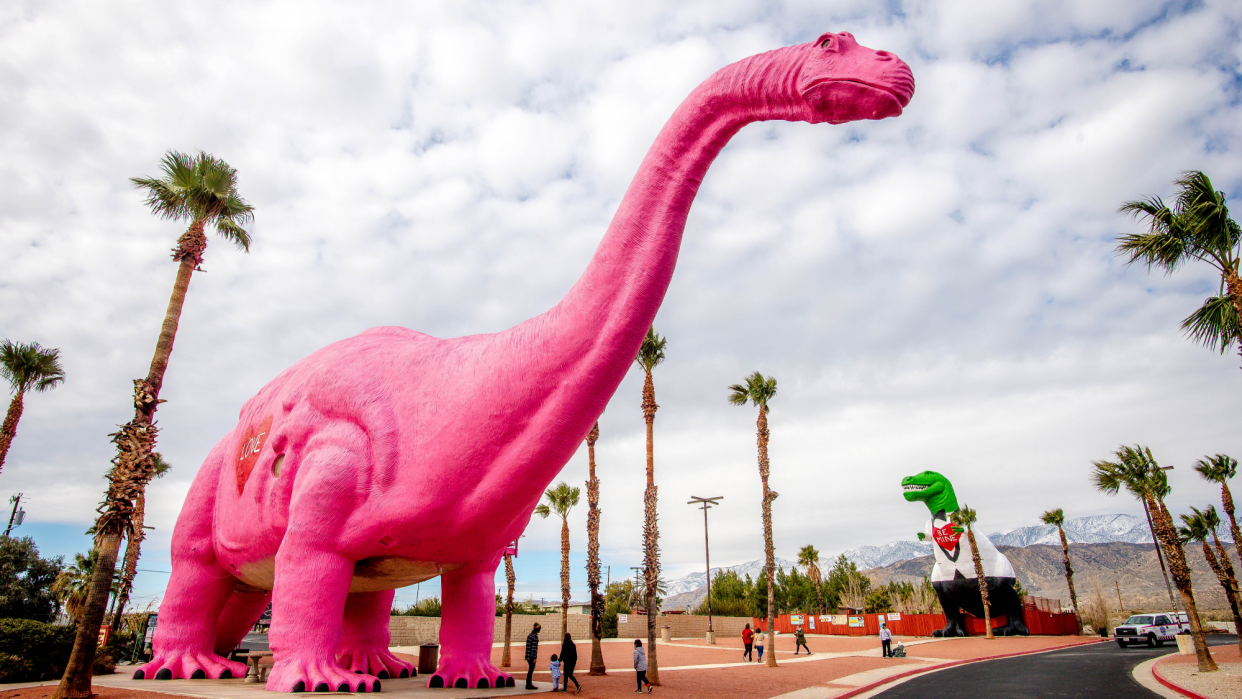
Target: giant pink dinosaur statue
392,457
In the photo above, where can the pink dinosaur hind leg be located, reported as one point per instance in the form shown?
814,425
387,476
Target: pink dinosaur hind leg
197,592
364,637
240,613
467,622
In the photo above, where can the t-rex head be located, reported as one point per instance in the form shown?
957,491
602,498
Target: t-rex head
842,80
933,489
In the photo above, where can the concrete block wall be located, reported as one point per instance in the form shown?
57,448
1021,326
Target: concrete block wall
417,630
683,625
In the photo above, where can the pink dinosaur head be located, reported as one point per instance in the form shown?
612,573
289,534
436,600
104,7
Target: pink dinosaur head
842,80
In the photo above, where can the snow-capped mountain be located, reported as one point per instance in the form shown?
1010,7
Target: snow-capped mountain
694,581
868,557
1099,529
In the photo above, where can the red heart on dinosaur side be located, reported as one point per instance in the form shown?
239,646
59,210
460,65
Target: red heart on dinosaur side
252,442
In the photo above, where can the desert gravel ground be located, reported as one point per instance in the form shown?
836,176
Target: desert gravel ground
1183,670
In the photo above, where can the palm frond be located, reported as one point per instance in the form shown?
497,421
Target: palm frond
233,233
1215,324
1054,517
199,188
1217,469
651,352
30,366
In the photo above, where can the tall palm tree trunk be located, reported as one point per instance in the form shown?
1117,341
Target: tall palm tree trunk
133,549
651,533
1069,571
132,468
1227,582
597,600
512,580
983,582
769,550
1226,501
9,428
1167,534
1159,558
1232,579
564,576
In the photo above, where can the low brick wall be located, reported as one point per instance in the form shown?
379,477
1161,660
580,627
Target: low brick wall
417,630
683,625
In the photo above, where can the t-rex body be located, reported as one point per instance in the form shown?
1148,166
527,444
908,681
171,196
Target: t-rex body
393,457
954,577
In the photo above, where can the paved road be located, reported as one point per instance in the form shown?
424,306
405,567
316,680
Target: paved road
1099,670
254,641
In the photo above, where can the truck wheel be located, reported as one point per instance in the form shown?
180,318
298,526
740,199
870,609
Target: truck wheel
1151,640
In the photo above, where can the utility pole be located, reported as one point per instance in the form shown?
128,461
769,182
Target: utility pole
14,519
638,585
707,503
1120,606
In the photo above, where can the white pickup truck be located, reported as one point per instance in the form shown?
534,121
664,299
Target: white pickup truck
1152,629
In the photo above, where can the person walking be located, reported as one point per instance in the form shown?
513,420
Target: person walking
640,667
532,655
569,658
886,640
800,641
748,637
759,647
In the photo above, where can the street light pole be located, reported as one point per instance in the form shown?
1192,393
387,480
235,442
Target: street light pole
705,504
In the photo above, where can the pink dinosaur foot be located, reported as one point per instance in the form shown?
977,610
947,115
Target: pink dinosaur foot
478,674
313,675
375,661
192,665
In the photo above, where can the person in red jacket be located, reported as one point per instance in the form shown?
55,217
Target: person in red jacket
748,637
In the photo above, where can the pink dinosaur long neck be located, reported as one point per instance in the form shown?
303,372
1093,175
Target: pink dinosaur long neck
599,325
572,358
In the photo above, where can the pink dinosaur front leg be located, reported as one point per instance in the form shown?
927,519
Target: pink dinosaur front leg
365,636
197,592
467,622
312,575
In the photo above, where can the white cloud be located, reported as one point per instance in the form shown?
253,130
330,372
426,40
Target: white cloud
933,291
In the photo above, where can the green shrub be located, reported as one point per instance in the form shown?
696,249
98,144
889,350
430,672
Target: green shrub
32,650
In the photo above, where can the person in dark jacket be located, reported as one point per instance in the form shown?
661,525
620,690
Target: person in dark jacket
532,655
569,658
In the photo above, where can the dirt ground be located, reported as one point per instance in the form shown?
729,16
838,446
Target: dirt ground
1183,671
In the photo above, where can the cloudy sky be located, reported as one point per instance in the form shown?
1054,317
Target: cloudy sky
936,291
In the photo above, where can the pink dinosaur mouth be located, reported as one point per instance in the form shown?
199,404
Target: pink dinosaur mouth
846,99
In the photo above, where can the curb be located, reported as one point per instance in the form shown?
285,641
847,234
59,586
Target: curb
1155,671
888,680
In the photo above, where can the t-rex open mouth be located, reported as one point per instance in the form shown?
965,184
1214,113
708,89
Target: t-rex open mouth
913,486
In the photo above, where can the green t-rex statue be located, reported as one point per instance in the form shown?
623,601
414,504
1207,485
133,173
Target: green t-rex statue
954,577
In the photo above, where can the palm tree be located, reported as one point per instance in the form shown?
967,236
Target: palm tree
561,499
1198,526
73,583
651,355
512,580
1219,469
201,189
1057,519
808,558
965,519
597,600
760,390
1197,227
134,548
27,367
1137,471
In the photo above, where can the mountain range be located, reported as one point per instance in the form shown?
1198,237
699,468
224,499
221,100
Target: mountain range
691,589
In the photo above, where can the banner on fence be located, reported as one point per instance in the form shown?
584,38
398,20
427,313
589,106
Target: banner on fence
894,616
795,619
857,622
